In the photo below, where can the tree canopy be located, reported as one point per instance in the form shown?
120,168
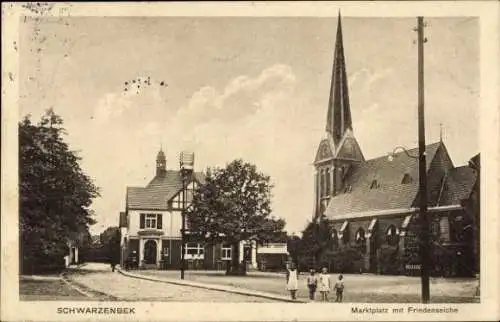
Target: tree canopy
55,194
233,205
316,239
110,238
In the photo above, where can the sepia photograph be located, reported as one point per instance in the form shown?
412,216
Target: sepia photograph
332,161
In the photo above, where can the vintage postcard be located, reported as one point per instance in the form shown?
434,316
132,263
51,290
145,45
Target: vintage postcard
243,161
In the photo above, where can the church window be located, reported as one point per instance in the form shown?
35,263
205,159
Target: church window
345,232
444,228
328,181
361,240
374,184
321,183
335,239
392,235
406,179
435,228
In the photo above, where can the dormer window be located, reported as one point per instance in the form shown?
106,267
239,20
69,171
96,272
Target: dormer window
374,184
406,179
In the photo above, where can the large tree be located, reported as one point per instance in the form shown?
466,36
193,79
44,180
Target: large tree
55,194
315,241
233,205
110,238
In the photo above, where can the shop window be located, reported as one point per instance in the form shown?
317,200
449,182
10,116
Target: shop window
194,250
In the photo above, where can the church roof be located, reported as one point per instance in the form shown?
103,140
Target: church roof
458,185
159,191
376,184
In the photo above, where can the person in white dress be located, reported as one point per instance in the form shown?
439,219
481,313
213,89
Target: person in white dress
324,284
292,283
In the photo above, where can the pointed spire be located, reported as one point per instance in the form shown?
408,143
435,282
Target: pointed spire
339,112
440,132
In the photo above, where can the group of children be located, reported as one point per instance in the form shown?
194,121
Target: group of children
315,282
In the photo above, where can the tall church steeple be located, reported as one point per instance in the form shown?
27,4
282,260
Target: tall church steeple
339,150
339,112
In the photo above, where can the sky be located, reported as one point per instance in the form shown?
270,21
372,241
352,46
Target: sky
242,87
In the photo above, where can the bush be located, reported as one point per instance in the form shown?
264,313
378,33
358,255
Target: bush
346,259
389,260
42,264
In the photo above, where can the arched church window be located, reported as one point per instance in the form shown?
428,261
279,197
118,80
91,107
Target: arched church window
392,235
328,181
321,183
361,239
335,239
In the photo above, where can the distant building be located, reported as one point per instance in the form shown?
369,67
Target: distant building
272,256
151,225
372,204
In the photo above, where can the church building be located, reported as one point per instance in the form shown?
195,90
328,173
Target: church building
373,204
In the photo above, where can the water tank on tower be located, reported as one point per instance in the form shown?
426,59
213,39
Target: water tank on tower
186,160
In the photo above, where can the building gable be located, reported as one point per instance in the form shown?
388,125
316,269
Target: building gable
439,165
349,149
157,194
325,151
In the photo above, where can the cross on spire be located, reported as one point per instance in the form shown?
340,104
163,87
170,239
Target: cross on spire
339,113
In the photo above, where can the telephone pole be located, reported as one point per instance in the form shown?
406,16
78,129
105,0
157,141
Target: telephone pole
422,172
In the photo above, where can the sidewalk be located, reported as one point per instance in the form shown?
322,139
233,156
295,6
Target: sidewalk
214,287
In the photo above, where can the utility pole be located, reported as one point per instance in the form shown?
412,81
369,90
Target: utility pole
186,161
422,173
183,224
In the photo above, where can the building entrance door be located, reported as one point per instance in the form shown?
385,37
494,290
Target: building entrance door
150,252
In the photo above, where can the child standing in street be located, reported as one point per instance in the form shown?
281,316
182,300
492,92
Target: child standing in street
324,284
292,281
312,283
339,288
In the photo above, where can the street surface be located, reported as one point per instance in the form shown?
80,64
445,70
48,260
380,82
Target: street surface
358,287
99,277
95,281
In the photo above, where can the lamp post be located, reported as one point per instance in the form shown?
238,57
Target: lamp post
186,161
424,238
